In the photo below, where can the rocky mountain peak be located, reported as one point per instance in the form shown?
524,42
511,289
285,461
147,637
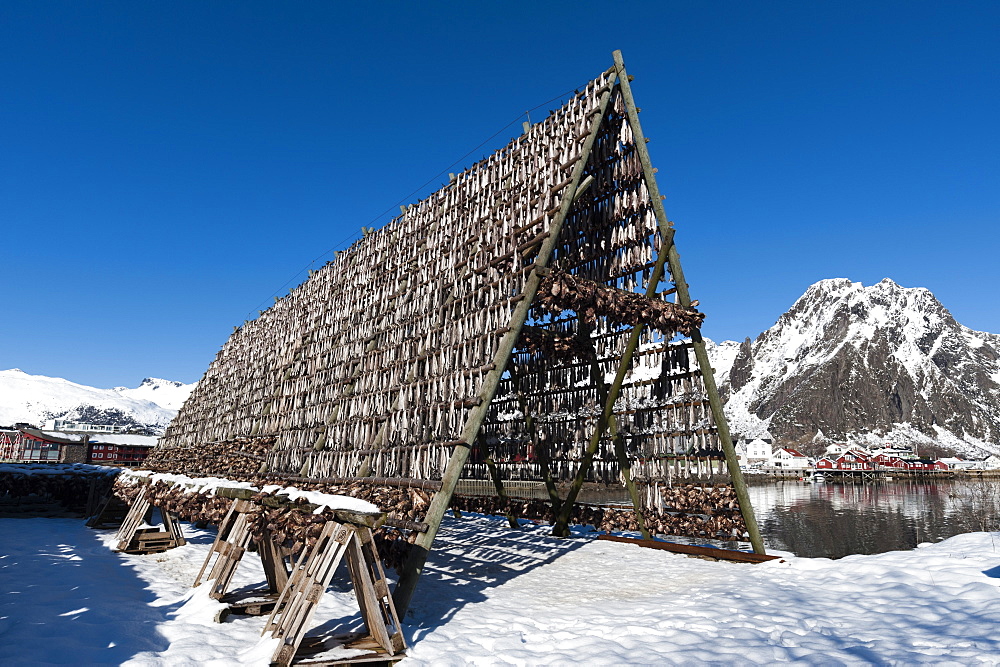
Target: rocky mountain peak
868,363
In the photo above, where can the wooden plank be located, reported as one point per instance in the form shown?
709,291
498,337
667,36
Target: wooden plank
152,534
364,591
138,514
690,549
298,572
373,567
224,528
273,563
305,588
173,526
229,555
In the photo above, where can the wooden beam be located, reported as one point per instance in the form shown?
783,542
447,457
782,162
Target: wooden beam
625,468
369,519
684,299
541,451
693,550
501,491
561,527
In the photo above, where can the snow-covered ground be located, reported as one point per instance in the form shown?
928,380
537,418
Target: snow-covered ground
495,596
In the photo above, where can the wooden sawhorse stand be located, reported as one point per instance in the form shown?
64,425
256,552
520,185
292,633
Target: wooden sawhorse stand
312,574
301,591
135,540
232,541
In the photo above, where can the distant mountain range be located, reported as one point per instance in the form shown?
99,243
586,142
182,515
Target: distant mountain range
849,363
35,399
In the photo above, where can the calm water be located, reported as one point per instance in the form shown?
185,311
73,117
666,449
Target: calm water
829,520
835,520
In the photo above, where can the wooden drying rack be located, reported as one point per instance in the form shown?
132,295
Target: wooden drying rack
292,594
402,343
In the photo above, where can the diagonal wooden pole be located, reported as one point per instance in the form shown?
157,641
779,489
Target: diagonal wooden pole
541,451
607,417
498,486
624,467
561,527
414,564
684,298
667,255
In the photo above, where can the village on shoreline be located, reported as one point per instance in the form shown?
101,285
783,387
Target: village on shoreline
761,458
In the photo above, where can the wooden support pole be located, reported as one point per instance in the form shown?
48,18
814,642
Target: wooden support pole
273,563
414,564
561,527
491,466
501,492
684,298
624,467
626,473
597,377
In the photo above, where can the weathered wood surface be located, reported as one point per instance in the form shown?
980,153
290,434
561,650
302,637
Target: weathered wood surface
693,550
230,552
232,542
315,568
370,519
132,539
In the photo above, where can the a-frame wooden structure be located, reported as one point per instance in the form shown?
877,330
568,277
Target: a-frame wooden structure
514,324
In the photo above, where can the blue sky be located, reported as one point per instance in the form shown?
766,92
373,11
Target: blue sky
167,167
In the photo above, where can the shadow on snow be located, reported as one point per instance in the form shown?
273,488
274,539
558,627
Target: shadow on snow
470,557
66,599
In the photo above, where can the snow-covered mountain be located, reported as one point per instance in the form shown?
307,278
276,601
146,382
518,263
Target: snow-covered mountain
865,364
36,398
167,394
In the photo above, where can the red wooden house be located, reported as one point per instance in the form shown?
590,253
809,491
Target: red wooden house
855,460
850,460
894,462
119,449
928,466
29,445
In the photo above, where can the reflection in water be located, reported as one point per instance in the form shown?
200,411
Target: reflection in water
835,520
832,520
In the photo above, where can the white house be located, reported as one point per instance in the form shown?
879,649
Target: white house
955,463
787,458
81,427
753,452
899,451
837,449
991,462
